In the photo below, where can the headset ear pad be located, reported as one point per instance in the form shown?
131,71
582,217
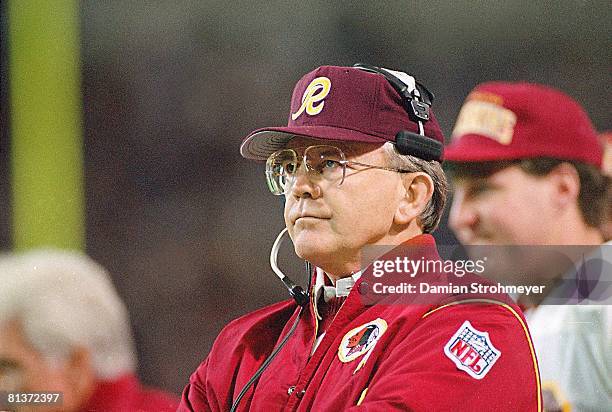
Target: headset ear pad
423,147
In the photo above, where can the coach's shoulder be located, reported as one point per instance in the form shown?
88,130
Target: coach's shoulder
496,315
477,352
238,346
484,335
259,328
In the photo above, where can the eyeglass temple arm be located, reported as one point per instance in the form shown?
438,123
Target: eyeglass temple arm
390,169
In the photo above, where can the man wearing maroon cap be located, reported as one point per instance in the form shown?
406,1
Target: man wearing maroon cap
359,166
526,164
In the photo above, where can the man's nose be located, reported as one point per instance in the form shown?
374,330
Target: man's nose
303,184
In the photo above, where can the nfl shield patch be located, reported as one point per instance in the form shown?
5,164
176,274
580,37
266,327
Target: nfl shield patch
472,351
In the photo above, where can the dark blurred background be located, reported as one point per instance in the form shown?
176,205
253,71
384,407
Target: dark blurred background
170,88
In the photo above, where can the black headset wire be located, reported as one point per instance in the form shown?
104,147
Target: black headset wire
276,350
267,362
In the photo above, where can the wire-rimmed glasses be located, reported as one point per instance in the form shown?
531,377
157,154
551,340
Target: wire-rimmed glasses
321,161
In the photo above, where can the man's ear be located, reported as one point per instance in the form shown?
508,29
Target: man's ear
417,188
566,185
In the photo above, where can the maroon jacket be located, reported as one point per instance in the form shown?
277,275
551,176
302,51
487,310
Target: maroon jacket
454,354
127,394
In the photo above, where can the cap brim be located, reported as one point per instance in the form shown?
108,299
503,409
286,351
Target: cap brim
474,148
261,143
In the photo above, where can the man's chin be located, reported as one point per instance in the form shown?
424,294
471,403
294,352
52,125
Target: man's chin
311,248
311,253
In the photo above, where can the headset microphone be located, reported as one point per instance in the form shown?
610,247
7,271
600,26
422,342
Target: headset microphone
297,292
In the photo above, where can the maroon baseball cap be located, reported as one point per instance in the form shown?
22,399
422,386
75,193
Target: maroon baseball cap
342,104
509,121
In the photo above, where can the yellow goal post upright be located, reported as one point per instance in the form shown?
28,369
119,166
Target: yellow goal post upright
46,131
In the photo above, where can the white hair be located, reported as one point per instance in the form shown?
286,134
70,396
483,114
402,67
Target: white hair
64,299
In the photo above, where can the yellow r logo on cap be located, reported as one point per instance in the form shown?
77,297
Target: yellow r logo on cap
317,90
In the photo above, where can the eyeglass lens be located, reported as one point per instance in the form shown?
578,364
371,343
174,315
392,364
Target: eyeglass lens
282,167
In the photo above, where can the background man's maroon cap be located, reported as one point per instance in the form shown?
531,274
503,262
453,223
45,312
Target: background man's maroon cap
339,103
509,121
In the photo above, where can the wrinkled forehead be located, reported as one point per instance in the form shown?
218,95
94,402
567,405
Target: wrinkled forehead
348,148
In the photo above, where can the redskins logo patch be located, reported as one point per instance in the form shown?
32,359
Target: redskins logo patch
312,100
472,351
361,340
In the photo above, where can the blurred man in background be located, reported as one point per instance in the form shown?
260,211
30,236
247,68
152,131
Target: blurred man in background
63,328
527,169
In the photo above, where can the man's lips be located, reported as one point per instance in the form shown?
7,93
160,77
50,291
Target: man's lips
308,216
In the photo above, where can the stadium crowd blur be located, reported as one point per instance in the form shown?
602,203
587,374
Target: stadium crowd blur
170,89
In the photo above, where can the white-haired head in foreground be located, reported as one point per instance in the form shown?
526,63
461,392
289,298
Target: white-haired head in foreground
64,300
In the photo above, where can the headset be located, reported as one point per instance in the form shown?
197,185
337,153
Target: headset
417,102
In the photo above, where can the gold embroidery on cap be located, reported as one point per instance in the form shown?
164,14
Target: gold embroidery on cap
317,90
487,119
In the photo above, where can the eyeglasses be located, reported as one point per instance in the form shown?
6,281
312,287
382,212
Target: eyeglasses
321,161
